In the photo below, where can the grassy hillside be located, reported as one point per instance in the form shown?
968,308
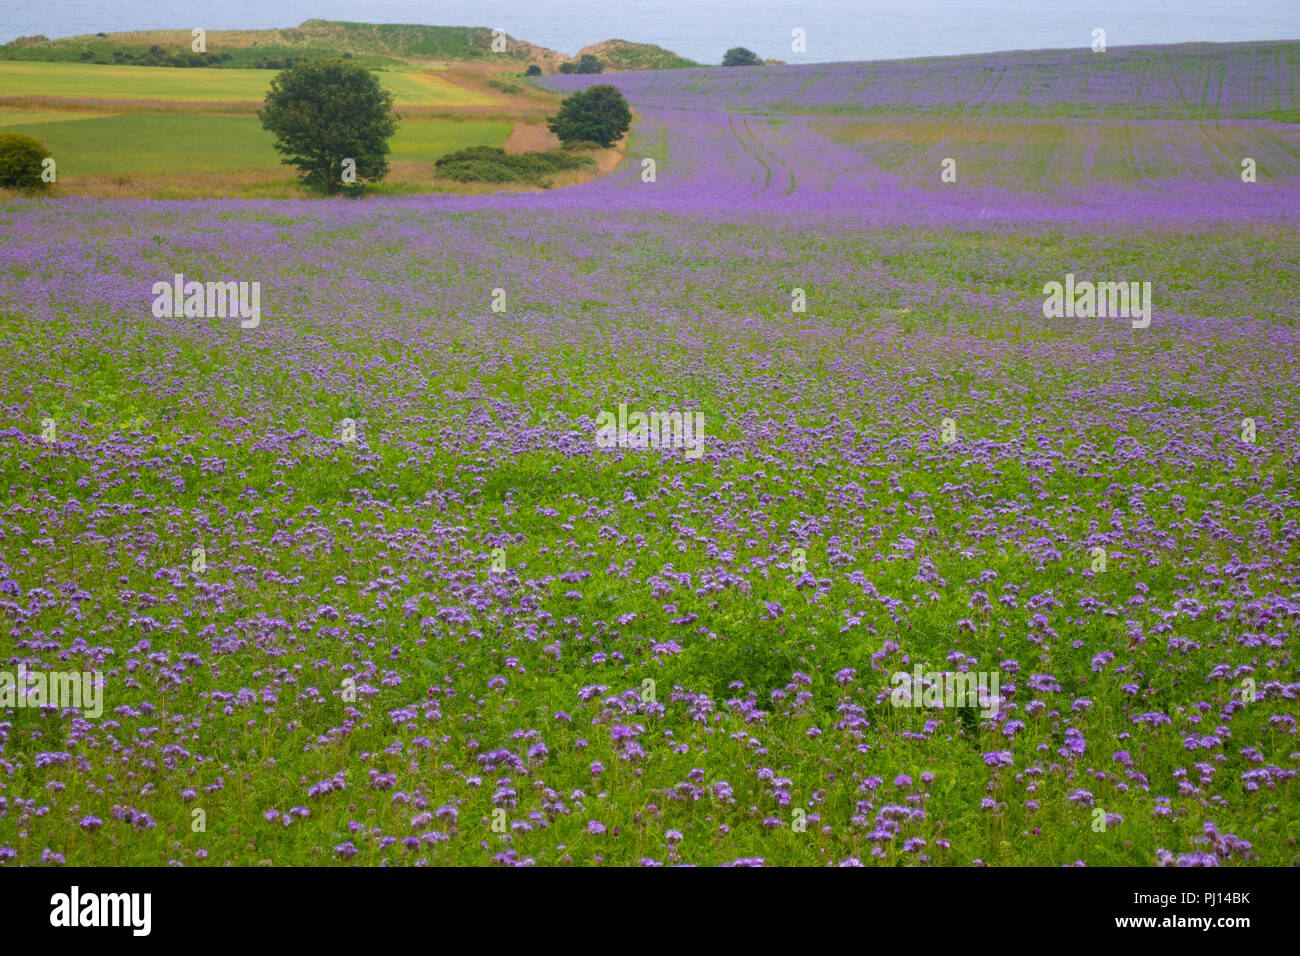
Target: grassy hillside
388,45
391,46
625,55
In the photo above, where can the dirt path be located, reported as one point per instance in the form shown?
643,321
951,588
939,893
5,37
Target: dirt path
531,138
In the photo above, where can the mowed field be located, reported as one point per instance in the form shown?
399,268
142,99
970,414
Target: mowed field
363,586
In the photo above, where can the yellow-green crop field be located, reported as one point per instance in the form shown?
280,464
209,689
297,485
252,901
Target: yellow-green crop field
96,144
90,81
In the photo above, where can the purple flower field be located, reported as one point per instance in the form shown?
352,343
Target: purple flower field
361,586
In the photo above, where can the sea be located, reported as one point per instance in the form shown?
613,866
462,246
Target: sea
702,30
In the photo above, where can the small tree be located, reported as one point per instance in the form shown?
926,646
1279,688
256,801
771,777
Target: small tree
323,112
599,114
739,56
588,63
20,161
533,70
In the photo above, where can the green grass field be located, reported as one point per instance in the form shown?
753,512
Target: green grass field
88,81
28,117
423,142
95,144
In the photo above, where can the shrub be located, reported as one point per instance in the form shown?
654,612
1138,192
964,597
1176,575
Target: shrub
739,56
20,161
325,111
587,63
157,56
533,70
599,115
271,63
492,164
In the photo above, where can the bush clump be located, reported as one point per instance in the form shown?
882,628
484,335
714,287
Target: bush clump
739,56
20,161
278,63
157,56
492,164
587,63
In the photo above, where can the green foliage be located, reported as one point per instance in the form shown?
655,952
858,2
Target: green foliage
157,56
533,70
325,111
588,63
599,114
739,56
153,56
492,164
278,63
20,161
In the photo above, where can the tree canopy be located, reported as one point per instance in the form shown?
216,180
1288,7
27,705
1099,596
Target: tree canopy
599,115
739,56
325,113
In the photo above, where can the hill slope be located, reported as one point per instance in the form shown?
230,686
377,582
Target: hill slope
386,45
625,55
